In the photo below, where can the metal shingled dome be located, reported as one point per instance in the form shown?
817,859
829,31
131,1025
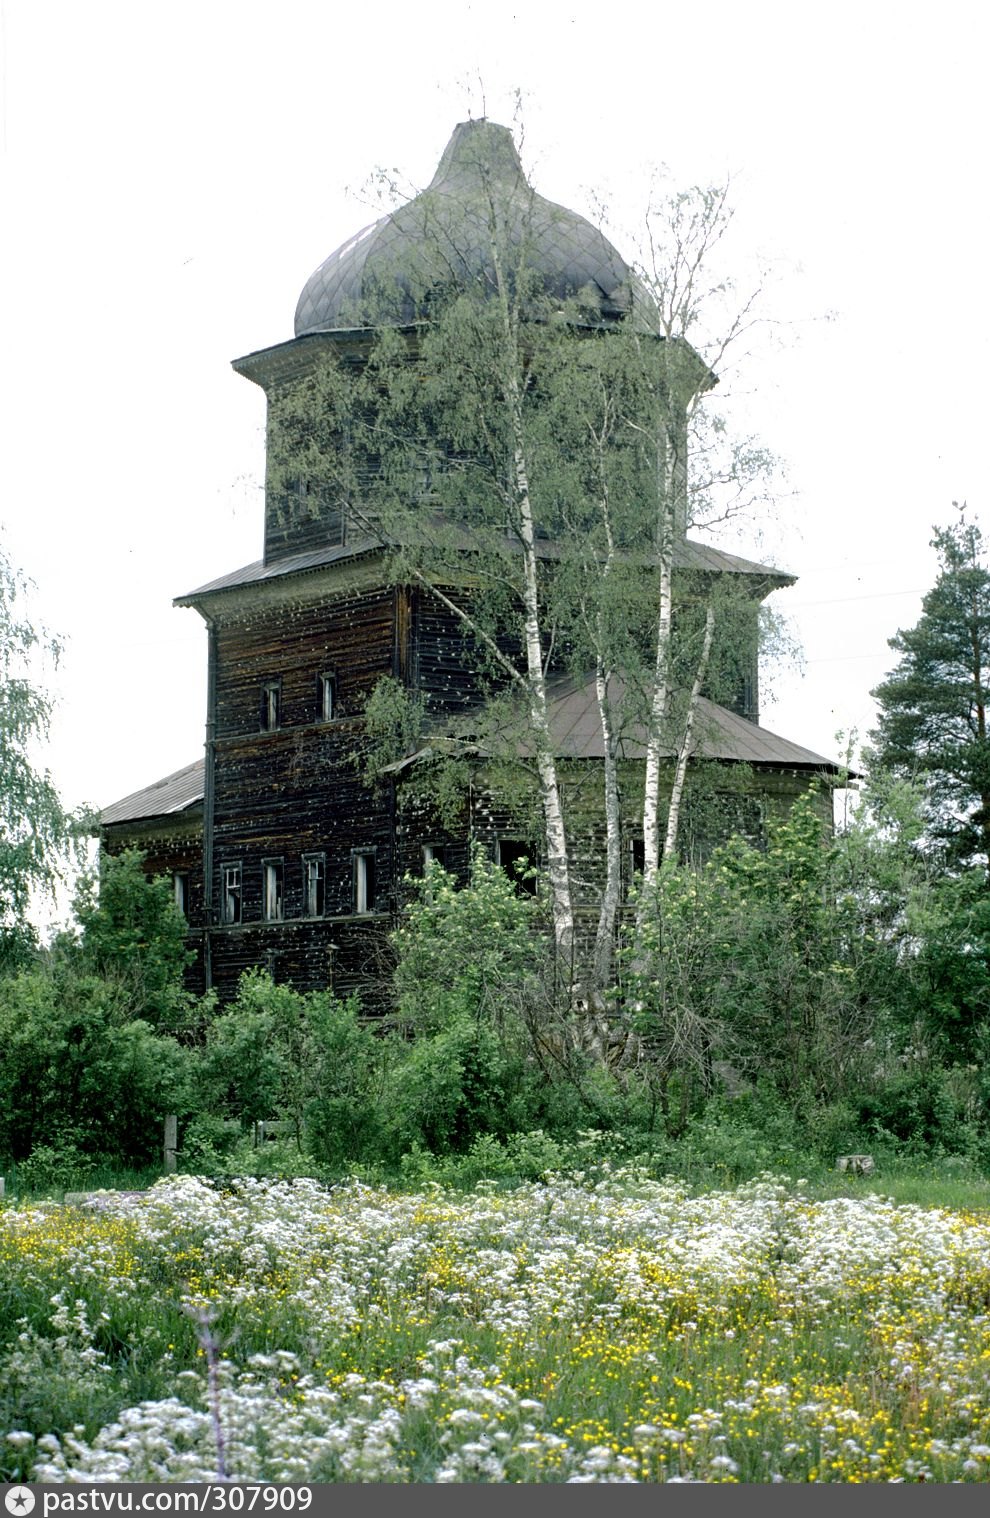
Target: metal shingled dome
441,240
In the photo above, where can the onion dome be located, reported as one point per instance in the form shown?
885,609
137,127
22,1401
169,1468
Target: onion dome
392,270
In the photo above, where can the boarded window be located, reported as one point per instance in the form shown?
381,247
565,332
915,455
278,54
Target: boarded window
314,885
272,898
230,905
364,881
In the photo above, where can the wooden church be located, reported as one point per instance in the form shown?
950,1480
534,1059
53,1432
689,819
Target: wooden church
282,854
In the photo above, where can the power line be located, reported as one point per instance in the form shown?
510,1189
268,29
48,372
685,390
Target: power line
876,595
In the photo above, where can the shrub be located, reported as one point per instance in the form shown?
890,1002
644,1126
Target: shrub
134,938
302,1059
77,1071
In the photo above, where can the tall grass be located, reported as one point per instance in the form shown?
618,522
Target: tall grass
606,1328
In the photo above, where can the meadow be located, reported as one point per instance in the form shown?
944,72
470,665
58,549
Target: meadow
604,1327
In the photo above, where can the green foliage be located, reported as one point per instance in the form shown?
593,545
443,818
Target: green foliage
301,1059
948,991
79,1072
38,838
933,706
462,952
759,959
51,1383
134,938
451,1088
393,721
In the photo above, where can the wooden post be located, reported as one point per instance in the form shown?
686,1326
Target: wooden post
171,1142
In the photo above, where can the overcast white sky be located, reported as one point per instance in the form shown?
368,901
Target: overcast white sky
171,174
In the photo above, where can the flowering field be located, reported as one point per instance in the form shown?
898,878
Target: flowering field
573,1331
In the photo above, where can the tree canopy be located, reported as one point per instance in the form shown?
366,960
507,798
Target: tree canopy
933,705
35,829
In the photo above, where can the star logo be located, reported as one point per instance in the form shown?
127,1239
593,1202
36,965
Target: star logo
19,1500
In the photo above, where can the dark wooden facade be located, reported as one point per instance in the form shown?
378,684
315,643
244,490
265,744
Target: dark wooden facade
292,861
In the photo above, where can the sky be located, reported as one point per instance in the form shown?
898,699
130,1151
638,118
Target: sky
171,175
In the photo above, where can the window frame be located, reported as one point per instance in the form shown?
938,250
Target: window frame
364,866
528,886
319,860
271,706
231,893
273,890
328,684
180,891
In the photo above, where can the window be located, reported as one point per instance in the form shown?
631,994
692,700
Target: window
180,891
516,859
314,884
271,705
434,853
230,906
272,899
364,881
637,856
328,697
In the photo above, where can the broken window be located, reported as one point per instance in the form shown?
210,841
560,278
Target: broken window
271,705
328,697
230,906
434,853
314,884
272,900
364,881
516,859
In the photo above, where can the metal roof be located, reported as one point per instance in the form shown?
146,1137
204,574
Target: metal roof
388,271
297,563
720,734
688,554
178,792
575,727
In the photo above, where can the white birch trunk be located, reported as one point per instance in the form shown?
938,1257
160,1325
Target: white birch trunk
660,701
605,935
687,738
558,871
553,815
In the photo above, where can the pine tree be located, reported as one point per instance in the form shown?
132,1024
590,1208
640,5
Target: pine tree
933,706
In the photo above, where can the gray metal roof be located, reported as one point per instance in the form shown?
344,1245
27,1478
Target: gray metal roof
388,271
688,554
575,727
297,563
719,733
178,792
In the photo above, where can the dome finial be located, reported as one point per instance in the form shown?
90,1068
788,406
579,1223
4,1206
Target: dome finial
475,148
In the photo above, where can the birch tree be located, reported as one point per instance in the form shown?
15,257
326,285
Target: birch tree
524,462
701,322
